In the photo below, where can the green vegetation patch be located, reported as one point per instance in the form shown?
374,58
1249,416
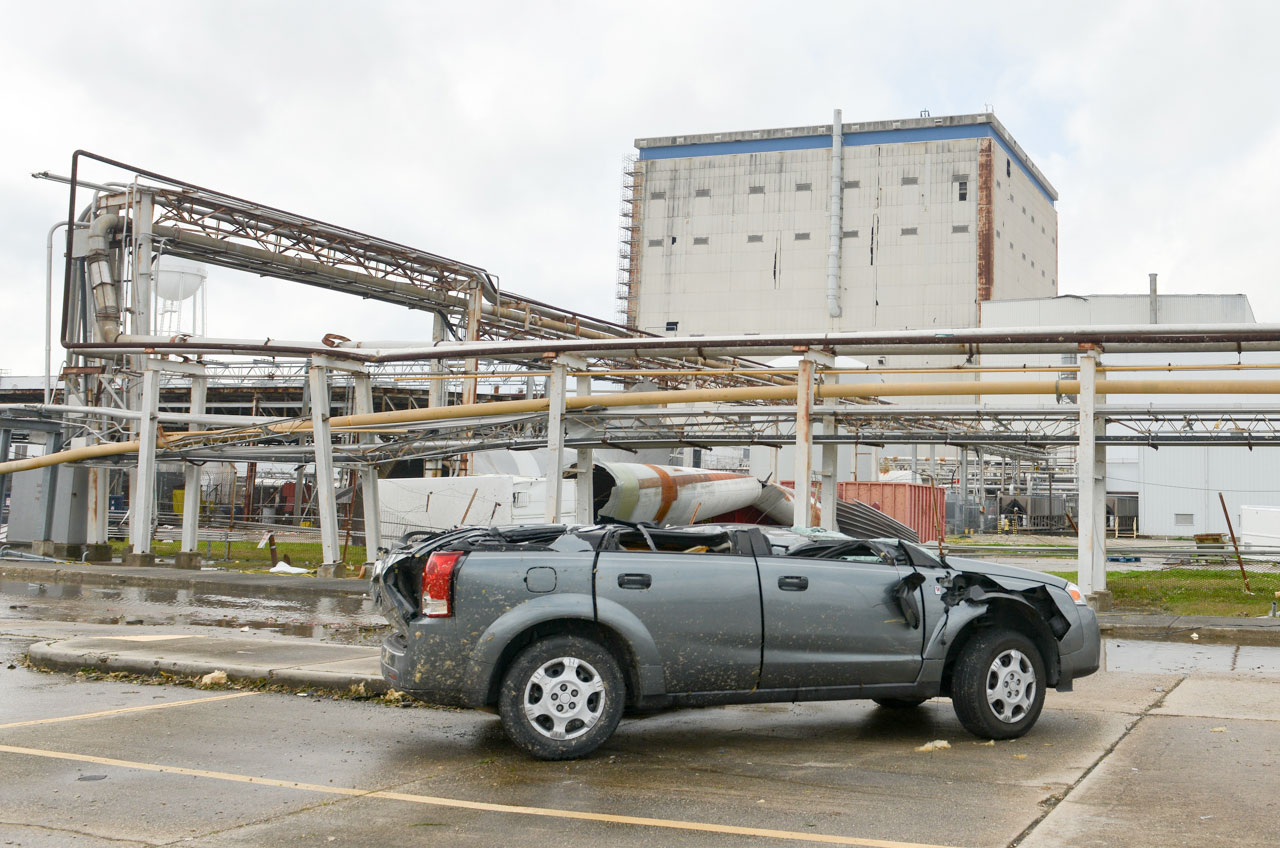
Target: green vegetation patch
1191,591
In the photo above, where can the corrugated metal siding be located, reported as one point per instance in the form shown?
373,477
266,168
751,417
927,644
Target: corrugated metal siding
922,508
1186,481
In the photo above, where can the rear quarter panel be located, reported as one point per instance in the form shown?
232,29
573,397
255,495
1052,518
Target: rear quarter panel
493,601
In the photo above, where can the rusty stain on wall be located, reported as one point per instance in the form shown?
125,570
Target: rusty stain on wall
986,225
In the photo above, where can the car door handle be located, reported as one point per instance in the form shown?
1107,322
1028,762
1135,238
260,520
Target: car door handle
634,581
792,583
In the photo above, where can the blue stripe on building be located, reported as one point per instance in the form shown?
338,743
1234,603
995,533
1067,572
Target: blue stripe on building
856,139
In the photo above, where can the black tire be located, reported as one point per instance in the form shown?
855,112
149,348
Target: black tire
899,703
997,685
578,670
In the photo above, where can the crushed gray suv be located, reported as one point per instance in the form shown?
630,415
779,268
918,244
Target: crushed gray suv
562,628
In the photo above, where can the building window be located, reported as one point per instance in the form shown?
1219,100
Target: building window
910,180
702,192
1184,519
804,186
655,242
755,190
997,234
1010,197
1008,167
1033,263
849,234
1033,219
962,190
1011,245
959,228
1024,210
802,236
755,239
1024,257
852,184
672,326
701,240
658,195
908,231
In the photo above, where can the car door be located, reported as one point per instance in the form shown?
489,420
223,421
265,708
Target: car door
702,610
836,622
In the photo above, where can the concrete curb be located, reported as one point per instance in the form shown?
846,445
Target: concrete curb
160,577
77,654
1237,634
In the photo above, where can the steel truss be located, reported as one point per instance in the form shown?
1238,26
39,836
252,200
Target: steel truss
221,229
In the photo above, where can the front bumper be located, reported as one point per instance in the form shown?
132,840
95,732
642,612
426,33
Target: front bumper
1085,659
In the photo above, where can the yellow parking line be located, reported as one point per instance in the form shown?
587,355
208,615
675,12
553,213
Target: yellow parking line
642,821
124,710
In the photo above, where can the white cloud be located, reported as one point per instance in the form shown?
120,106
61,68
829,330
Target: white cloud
494,133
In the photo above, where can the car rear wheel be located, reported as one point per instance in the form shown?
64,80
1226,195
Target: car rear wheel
561,698
997,685
899,703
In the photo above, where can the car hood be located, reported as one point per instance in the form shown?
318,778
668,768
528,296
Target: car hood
996,571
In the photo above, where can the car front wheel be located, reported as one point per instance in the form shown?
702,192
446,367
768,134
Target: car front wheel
997,685
561,698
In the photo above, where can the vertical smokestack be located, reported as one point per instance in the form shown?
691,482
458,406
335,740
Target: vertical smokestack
1155,303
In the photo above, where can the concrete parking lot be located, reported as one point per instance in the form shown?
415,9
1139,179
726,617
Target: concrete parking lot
1127,760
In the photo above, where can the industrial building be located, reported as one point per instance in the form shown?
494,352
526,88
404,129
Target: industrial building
1175,489
905,224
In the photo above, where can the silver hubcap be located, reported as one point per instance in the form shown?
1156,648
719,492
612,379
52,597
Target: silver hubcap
563,698
1011,686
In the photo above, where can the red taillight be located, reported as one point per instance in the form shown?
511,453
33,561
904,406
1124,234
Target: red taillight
437,584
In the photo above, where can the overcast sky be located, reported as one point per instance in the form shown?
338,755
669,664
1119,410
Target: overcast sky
494,133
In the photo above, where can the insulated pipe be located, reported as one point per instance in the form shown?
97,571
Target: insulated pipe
836,215
744,393
106,296
49,382
1231,338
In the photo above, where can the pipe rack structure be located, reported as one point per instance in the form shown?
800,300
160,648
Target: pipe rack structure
712,390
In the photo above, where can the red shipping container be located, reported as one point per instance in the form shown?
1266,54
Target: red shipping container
922,508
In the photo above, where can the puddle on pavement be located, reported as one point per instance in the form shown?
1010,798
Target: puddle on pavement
1153,657
348,620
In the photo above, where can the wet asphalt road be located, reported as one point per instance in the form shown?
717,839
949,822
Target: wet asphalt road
1143,755
1139,758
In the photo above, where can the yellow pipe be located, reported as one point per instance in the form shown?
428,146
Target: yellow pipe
71,455
681,396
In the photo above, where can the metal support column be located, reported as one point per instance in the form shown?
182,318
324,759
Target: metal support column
583,494
191,474
964,490
1091,482
326,492
6,436
555,441
829,474
50,490
803,516
437,391
142,508
369,474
